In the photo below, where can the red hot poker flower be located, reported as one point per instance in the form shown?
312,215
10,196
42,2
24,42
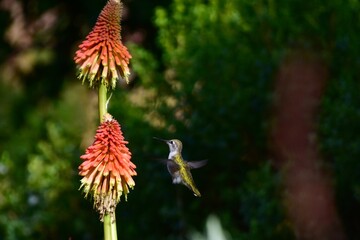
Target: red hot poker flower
107,170
102,58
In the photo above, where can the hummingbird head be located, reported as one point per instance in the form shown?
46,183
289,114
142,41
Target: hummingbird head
175,145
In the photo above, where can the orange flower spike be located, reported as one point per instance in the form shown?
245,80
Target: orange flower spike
102,58
106,169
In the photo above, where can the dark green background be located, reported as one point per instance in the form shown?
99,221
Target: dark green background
203,72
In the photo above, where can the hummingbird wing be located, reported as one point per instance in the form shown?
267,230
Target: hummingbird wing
197,164
172,167
163,160
174,171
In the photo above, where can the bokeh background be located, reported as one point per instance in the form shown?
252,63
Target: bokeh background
267,91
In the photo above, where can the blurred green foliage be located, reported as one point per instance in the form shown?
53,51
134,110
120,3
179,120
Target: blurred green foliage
205,76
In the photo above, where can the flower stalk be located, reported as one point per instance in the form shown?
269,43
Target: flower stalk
106,169
102,102
110,232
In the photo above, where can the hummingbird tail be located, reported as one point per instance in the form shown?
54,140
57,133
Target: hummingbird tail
196,192
193,188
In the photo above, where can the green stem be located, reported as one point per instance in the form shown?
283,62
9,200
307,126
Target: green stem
109,228
109,225
113,229
102,101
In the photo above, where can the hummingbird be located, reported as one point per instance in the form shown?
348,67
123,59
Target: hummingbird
178,168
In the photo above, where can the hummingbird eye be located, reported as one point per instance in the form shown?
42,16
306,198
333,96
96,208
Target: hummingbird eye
171,142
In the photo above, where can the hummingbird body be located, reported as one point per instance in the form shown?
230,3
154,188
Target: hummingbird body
178,168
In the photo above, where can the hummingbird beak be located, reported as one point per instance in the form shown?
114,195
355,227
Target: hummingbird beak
163,140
